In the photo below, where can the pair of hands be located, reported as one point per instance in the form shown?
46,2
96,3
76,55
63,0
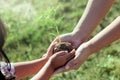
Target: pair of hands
60,58
81,54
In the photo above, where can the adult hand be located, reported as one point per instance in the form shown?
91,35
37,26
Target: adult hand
72,38
69,37
81,55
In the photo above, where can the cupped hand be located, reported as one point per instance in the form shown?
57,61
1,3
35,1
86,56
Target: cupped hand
81,55
61,58
68,37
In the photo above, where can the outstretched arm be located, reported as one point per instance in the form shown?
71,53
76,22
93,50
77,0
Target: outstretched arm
28,68
110,34
93,14
55,61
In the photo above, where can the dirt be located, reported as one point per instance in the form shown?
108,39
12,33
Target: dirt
63,46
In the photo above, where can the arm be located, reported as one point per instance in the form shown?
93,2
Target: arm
45,73
93,14
55,61
110,34
28,68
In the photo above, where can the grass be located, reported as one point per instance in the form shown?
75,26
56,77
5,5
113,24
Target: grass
32,25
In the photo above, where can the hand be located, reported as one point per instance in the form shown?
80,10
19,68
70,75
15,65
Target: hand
61,58
81,55
50,50
69,37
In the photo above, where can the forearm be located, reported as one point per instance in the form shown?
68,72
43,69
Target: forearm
105,37
28,68
45,73
93,14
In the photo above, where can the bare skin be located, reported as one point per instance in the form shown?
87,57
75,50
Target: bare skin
55,61
44,67
28,68
95,11
110,34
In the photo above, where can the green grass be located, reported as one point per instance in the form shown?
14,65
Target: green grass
33,24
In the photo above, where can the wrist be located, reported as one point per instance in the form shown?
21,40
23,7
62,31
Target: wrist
50,65
79,37
89,47
45,73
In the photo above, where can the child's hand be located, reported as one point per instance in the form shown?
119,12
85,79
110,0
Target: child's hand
61,58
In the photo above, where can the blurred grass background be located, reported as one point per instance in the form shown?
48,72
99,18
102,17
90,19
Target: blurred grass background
33,24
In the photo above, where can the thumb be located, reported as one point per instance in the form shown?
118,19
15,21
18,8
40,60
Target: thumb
60,70
51,48
70,55
70,64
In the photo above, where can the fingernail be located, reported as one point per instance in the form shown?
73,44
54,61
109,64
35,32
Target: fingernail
67,67
66,51
55,42
73,49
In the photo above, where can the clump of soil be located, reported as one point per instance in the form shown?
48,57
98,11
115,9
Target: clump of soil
63,46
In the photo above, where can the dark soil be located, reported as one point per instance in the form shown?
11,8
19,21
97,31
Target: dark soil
63,46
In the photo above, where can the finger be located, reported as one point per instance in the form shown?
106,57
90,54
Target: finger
75,67
70,55
70,64
61,53
44,55
51,48
57,39
52,45
60,70
74,64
